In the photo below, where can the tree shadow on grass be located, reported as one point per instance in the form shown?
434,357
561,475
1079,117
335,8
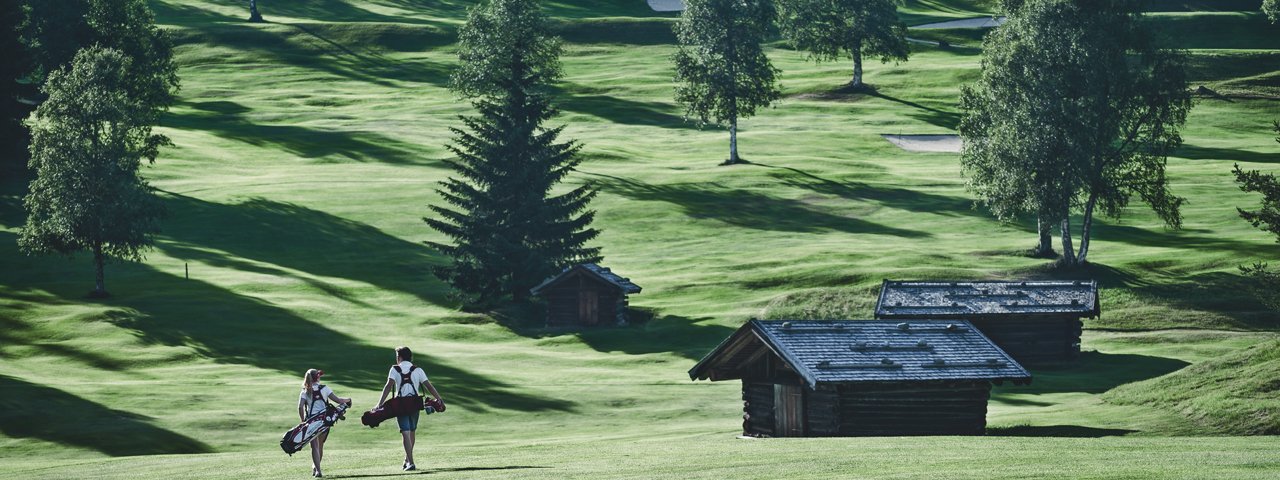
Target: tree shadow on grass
749,209
232,328
893,197
591,101
299,238
1227,154
28,410
933,116
1066,431
1218,292
317,47
14,333
1095,372
688,337
228,120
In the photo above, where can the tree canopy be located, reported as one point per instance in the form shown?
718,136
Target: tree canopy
1076,110
722,72
55,31
12,134
829,29
87,144
508,230
1272,9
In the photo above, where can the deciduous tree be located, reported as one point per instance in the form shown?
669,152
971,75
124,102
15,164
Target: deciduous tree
829,29
509,231
88,141
13,135
1272,9
56,30
1076,111
722,72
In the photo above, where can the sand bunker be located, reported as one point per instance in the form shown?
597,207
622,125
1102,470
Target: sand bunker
667,5
984,22
926,143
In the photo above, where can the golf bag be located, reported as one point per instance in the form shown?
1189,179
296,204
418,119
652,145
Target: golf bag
394,407
299,436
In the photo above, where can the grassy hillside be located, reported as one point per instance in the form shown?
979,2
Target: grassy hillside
308,149
1233,394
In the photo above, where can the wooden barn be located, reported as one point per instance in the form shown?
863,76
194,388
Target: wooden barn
586,294
813,378
1035,322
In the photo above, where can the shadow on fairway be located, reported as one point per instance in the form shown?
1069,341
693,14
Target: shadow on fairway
1226,154
327,48
1095,372
294,237
933,116
892,197
1069,431
228,327
1225,293
622,111
28,410
688,337
227,120
431,471
749,209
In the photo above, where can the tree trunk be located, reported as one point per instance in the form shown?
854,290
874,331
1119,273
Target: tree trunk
254,16
1068,251
857,66
733,141
100,284
1082,257
1045,249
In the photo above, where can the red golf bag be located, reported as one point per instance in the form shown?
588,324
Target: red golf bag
394,407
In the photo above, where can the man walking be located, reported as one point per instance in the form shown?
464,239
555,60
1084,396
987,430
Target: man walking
406,379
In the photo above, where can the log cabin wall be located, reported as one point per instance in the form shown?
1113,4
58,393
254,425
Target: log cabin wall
565,303
757,408
1035,339
913,408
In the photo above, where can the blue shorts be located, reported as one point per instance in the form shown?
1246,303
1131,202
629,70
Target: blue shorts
408,423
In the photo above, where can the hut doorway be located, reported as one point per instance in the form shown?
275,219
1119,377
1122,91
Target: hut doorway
589,306
788,405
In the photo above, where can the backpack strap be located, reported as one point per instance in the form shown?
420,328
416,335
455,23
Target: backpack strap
405,378
316,396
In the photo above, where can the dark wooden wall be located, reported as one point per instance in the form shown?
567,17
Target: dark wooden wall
1034,339
563,308
911,408
856,410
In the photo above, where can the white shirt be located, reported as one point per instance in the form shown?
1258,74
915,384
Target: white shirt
316,407
418,378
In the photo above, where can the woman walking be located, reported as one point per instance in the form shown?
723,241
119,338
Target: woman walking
312,401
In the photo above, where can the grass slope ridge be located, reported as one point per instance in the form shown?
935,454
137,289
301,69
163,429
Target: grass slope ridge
1237,394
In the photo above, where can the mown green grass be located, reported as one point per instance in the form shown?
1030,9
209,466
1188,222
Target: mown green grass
307,150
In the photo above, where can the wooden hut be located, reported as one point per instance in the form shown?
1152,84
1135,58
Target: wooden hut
1036,322
586,294
856,378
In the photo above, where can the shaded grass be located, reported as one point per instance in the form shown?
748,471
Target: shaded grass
1234,394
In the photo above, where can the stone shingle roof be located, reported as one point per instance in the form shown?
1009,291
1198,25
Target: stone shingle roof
842,351
966,299
594,270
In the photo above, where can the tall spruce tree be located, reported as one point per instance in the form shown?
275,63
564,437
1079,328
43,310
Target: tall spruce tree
1076,110
88,141
829,29
722,72
509,230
